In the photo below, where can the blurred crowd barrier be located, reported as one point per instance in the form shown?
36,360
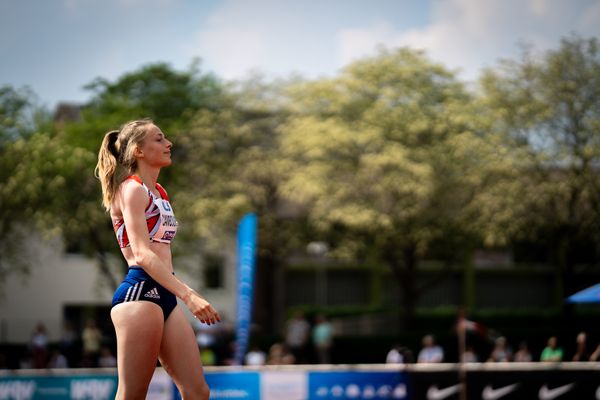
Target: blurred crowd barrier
316,382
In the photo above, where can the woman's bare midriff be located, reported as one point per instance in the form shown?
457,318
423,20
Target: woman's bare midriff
162,250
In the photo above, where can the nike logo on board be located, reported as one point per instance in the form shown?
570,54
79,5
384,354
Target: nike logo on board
551,394
490,393
433,393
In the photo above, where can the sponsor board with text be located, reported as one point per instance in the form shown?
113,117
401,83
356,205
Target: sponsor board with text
357,385
551,384
83,387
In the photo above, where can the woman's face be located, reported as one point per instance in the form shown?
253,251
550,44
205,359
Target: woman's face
155,149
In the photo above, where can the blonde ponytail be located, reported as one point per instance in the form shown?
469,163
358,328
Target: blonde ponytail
106,169
117,152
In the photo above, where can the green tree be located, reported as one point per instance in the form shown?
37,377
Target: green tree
18,113
49,184
388,158
154,91
47,171
547,108
20,117
230,165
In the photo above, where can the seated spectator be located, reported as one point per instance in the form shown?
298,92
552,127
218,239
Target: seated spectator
279,355
255,357
208,356
523,354
106,359
581,353
552,353
57,360
469,356
501,351
430,353
395,356
595,356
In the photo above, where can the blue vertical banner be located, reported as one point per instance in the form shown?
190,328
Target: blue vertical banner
246,252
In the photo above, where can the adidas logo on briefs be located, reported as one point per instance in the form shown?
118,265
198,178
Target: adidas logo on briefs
153,294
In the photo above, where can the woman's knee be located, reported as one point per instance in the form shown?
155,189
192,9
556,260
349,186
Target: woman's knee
131,392
198,391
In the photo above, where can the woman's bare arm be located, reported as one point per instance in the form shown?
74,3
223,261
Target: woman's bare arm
134,200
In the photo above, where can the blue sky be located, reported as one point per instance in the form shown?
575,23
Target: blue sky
57,46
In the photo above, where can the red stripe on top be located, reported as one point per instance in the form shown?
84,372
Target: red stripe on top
151,222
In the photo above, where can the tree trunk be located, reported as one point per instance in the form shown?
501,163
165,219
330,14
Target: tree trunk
404,268
410,291
103,262
565,275
269,299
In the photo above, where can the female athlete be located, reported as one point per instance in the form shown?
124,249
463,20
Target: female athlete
148,322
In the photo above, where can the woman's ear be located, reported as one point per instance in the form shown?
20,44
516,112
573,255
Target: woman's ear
138,153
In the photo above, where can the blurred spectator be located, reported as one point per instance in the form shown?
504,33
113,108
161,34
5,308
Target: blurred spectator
552,352
26,361
322,339
39,346
523,354
595,356
58,360
87,361
395,356
581,353
430,353
92,340
501,351
228,354
68,343
206,335
279,355
469,356
107,358
297,332
255,357
208,357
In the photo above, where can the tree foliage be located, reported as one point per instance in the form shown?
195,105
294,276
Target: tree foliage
49,176
390,153
392,161
547,108
20,116
231,164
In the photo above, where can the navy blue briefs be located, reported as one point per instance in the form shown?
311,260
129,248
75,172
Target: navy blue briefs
139,286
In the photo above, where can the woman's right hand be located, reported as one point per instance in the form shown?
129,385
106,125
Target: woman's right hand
202,309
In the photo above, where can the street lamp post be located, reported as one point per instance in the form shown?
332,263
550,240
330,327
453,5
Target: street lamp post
318,250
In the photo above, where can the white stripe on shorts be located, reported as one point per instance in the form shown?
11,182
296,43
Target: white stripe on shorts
128,293
140,291
133,292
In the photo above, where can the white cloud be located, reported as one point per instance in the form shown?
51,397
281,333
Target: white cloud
233,41
232,52
355,43
470,34
72,6
274,37
590,19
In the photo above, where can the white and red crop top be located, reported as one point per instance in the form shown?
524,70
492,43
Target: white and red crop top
161,222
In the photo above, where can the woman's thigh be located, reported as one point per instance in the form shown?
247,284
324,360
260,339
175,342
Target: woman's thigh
139,329
180,356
